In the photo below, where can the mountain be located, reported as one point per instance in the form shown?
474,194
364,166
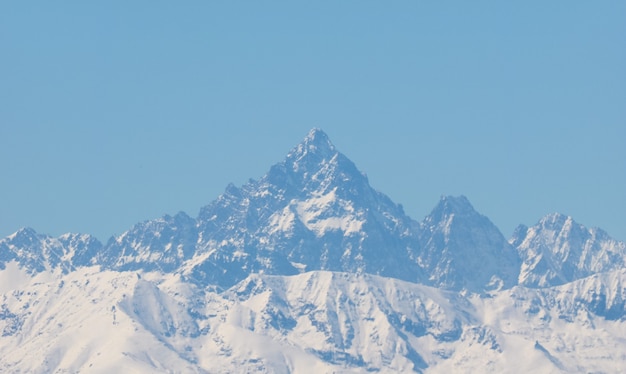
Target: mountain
462,249
92,320
37,253
316,211
557,250
162,244
313,211
310,269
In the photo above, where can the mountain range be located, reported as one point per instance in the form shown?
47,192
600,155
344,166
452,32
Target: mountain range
310,269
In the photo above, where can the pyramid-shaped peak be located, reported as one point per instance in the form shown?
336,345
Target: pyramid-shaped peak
454,205
451,205
317,136
24,233
316,165
315,143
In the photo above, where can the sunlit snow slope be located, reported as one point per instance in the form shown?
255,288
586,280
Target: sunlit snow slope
107,321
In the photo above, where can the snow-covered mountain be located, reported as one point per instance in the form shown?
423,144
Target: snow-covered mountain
37,253
462,249
310,269
161,244
313,211
558,250
92,320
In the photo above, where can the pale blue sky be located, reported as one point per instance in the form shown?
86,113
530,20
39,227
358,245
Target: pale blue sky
118,112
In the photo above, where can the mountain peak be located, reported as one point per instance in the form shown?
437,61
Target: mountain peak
316,144
558,250
317,136
24,233
448,205
462,249
456,203
554,220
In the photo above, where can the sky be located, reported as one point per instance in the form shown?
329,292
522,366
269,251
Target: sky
112,113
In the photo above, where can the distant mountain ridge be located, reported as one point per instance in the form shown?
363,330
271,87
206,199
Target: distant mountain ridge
310,270
316,211
558,250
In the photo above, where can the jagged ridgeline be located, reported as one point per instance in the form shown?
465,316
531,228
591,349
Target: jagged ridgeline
310,270
316,211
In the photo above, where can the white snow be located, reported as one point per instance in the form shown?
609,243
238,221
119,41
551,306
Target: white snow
103,321
320,213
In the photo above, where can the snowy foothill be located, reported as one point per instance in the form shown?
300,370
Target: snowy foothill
101,321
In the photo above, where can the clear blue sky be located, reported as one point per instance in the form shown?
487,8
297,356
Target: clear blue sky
116,112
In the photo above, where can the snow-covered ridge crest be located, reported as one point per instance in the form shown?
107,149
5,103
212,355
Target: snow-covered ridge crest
36,252
558,250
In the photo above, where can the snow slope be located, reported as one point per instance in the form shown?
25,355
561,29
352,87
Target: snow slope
102,321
